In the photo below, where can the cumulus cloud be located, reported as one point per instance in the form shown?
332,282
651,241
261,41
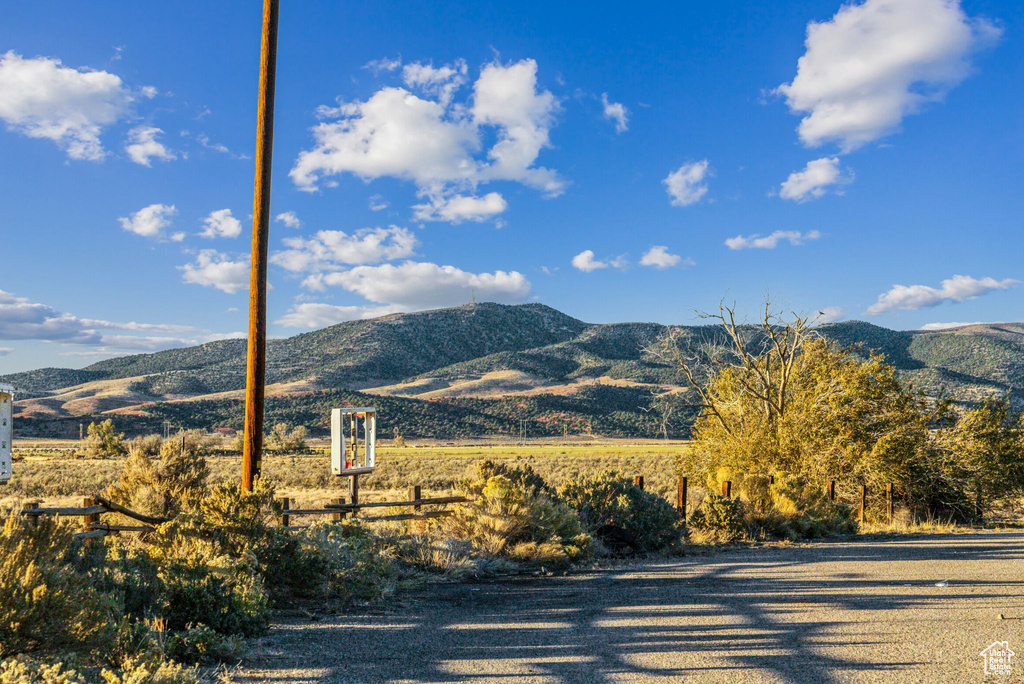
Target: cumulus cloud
289,219
585,261
877,61
435,143
331,249
687,184
142,146
41,98
793,237
315,315
22,319
214,269
955,289
617,112
440,82
459,208
221,223
659,257
151,221
815,180
424,285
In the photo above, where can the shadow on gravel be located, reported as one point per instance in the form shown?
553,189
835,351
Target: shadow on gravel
733,616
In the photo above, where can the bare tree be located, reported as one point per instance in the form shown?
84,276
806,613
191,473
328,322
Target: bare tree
761,355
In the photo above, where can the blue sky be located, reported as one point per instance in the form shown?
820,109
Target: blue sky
615,164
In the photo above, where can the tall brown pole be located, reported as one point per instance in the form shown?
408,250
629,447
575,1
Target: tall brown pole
257,353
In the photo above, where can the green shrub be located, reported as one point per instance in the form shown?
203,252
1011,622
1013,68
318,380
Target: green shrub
508,513
155,671
103,441
45,603
174,483
283,439
358,564
719,518
522,478
147,444
201,645
610,499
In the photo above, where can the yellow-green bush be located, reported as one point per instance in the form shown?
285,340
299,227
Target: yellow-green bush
513,517
45,604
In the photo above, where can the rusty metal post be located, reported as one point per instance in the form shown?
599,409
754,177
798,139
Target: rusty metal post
681,495
863,503
639,481
252,450
353,492
285,507
832,491
889,501
727,489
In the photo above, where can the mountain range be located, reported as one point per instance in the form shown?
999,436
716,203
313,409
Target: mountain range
470,370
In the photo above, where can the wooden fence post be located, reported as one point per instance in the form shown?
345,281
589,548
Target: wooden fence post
681,484
415,495
639,481
353,492
727,489
863,503
889,501
832,491
285,506
88,520
336,517
33,520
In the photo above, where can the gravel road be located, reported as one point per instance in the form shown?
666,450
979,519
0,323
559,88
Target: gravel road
904,609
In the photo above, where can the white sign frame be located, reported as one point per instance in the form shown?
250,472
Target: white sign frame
6,430
350,454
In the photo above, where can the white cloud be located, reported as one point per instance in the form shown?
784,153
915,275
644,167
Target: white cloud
41,98
383,64
830,314
793,237
955,289
214,269
815,180
378,203
150,221
877,61
947,326
22,319
585,261
142,146
330,249
659,257
686,185
221,223
315,315
4,351
617,112
440,82
289,219
423,285
435,143
459,208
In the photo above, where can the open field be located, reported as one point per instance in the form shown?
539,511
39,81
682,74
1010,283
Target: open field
47,471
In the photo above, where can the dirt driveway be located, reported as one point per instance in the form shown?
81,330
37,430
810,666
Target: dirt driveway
906,609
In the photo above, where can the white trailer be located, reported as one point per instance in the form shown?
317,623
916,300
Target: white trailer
353,440
6,430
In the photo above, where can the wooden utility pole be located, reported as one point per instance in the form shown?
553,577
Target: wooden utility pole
252,449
